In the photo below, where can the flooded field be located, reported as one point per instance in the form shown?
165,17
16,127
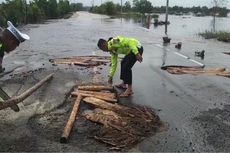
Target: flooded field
191,26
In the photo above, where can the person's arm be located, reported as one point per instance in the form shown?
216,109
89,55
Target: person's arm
133,48
113,65
135,51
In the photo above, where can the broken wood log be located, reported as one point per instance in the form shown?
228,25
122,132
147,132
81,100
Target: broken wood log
15,100
105,117
224,74
73,63
100,97
103,97
107,94
71,120
103,104
95,88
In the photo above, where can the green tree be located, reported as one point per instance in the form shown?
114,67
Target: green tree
53,9
216,10
34,13
142,6
14,11
110,8
223,12
127,6
44,6
2,17
76,6
63,7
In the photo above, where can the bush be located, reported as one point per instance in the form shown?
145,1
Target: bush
220,35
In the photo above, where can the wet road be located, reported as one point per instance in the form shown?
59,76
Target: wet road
196,108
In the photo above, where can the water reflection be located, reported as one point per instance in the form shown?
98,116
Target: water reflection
164,55
182,26
213,24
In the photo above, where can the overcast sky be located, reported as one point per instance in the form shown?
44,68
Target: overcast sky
188,3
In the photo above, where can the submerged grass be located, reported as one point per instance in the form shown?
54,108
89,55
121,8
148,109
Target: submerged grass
219,35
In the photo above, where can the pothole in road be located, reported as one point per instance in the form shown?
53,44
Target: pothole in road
90,136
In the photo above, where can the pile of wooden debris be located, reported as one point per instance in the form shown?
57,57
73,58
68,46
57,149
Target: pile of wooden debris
82,60
196,71
122,126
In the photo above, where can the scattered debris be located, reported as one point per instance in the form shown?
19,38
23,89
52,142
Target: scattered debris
82,60
122,126
178,45
25,73
200,54
196,70
157,22
166,39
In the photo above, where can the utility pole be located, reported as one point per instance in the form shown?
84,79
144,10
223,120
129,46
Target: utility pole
121,6
25,4
166,17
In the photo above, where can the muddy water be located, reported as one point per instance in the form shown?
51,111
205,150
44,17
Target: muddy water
185,26
189,25
176,99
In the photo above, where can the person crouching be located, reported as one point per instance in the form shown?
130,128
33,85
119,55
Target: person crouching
132,49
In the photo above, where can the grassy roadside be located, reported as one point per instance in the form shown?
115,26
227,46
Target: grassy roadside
219,35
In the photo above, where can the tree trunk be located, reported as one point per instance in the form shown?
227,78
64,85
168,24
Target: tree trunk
72,118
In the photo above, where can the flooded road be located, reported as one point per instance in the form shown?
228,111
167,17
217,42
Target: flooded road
196,108
190,26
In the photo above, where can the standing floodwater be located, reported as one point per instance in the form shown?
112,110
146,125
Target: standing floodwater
192,105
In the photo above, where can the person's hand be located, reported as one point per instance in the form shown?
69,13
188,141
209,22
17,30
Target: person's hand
110,81
139,57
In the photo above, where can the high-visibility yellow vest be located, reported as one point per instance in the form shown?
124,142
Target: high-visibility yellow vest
121,45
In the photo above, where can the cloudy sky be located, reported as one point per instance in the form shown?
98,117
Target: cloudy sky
160,2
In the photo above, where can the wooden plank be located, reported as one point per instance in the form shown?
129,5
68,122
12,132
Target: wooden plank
95,88
71,120
15,100
102,104
102,97
111,95
5,97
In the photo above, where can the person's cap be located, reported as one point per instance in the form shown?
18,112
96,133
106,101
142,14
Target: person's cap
21,37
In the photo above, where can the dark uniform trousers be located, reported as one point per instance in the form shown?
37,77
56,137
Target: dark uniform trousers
126,66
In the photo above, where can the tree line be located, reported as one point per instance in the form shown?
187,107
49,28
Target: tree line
145,6
19,12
